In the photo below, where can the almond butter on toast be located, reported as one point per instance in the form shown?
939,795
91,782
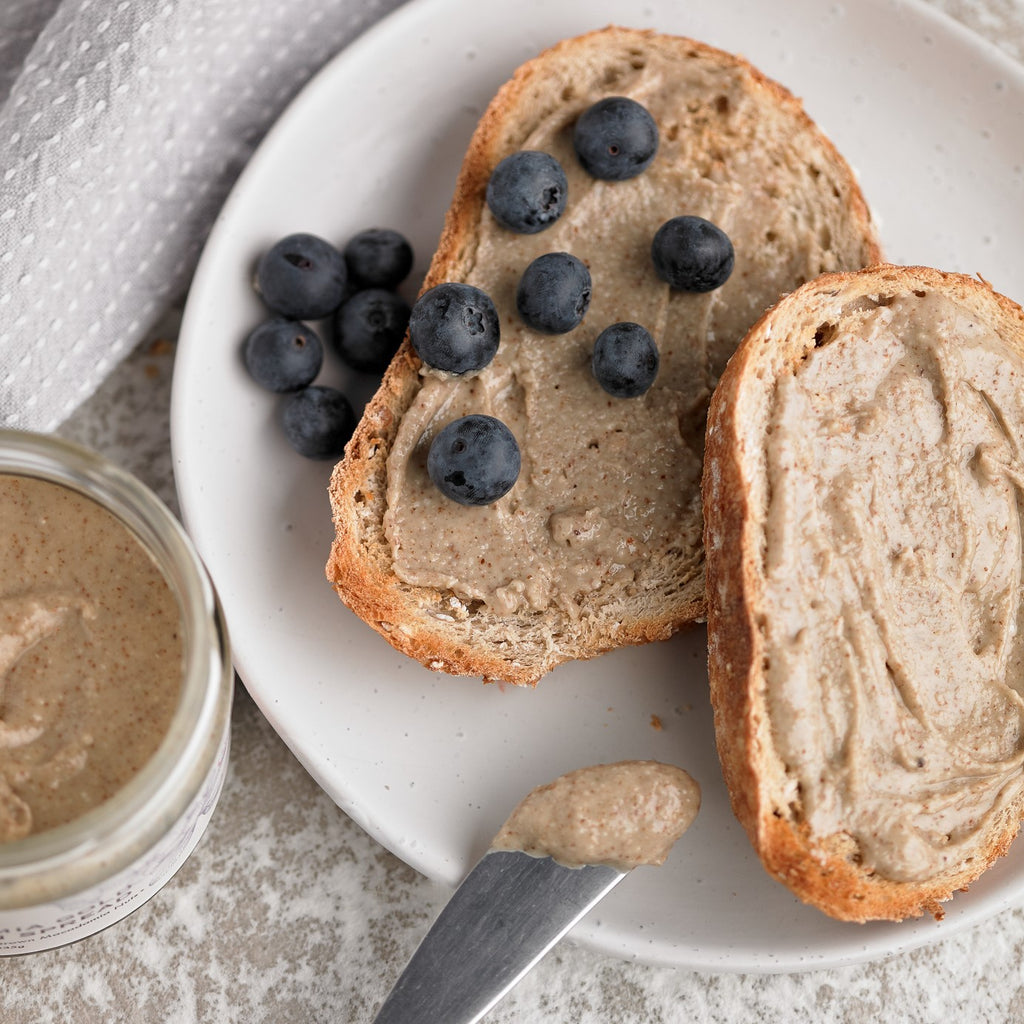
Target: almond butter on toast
599,542
862,491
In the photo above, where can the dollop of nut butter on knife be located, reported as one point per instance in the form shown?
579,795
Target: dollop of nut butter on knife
564,847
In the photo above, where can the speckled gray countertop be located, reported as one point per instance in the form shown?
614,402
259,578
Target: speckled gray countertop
288,911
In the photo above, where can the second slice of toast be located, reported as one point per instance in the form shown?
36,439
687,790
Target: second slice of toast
862,489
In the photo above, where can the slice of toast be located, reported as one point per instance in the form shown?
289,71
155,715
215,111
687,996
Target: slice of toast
862,487
599,543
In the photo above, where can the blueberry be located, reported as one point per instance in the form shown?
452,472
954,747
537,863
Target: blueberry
369,327
318,421
692,254
527,191
625,360
454,327
302,277
283,355
474,460
378,258
554,293
615,139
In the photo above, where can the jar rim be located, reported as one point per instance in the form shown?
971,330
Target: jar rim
114,833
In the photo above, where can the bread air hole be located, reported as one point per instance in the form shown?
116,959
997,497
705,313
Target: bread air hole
824,334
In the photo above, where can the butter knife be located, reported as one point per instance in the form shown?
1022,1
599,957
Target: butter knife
507,913
564,847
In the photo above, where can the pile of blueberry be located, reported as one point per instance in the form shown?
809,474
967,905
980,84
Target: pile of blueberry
303,278
455,327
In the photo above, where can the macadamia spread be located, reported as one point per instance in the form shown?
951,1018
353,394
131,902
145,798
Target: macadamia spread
894,575
621,815
605,481
90,655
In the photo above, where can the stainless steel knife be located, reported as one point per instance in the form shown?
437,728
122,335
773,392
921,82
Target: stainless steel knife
510,910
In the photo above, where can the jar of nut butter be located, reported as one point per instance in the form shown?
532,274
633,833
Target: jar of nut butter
115,693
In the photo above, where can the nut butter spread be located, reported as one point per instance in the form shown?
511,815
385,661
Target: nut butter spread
894,575
622,815
90,655
607,481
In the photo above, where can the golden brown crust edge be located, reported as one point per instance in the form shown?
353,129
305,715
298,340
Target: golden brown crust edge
821,872
358,568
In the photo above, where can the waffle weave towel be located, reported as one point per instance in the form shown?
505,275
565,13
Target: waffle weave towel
123,124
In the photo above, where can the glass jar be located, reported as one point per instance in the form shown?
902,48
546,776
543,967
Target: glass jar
62,884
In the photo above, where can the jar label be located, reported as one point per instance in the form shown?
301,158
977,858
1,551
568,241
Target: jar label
34,929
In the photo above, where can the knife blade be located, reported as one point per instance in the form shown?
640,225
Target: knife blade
507,913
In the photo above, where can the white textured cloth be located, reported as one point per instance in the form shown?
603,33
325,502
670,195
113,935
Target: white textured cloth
123,124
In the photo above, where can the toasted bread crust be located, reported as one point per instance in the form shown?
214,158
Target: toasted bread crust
825,871
431,625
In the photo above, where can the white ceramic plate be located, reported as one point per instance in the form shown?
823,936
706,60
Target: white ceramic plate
932,119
